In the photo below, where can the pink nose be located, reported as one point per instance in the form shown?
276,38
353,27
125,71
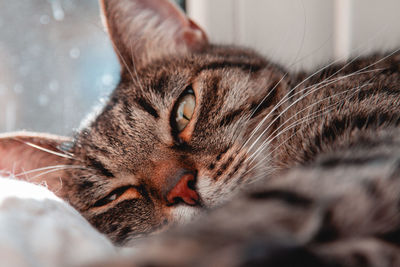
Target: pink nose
184,191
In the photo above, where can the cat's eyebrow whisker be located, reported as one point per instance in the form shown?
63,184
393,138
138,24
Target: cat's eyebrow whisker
123,61
134,69
304,109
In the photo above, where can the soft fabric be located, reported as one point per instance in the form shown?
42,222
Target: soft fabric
39,229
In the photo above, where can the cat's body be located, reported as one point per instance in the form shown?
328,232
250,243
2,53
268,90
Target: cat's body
341,210
191,124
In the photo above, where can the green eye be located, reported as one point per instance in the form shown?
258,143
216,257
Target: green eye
185,109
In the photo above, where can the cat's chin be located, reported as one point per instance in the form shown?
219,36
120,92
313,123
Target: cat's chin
183,214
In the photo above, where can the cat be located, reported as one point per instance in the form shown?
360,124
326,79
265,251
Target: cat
288,167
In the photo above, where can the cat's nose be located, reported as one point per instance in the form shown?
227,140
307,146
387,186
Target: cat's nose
184,191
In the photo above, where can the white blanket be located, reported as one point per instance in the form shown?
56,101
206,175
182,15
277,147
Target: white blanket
39,229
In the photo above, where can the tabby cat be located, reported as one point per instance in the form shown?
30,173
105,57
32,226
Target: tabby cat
309,164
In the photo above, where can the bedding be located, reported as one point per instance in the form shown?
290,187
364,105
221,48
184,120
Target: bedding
39,229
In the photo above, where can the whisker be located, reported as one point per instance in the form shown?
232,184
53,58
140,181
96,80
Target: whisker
59,188
265,118
300,83
299,122
308,107
264,173
53,170
285,98
63,155
269,140
300,99
134,69
123,61
289,127
49,168
269,93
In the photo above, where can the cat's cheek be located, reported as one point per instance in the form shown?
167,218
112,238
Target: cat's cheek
214,193
205,188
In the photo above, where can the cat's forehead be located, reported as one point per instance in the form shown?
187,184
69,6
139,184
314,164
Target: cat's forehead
224,77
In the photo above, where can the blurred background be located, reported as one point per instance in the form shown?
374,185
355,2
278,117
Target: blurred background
56,62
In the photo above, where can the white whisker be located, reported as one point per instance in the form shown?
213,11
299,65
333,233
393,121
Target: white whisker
50,168
286,98
300,99
45,149
134,69
123,61
53,170
308,107
301,121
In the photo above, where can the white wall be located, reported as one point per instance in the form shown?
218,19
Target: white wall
302,33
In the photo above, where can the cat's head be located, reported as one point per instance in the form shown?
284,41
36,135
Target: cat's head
176,136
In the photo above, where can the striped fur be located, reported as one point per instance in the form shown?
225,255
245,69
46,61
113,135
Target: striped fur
291,167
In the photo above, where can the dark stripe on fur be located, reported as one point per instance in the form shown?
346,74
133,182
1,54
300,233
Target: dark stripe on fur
285,196
219,156
99,166
391,237
85,185
327,232
223,168
230,117
248,67
338,125
161,84
146,106
236,167
258,108
127,114
123,233
333,162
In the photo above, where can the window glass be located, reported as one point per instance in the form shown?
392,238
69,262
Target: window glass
57,63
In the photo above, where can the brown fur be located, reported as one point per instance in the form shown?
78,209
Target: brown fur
327,136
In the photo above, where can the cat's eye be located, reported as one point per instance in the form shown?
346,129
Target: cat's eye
125,192
184,109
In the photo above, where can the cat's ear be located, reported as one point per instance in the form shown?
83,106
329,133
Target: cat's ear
144,30
36,158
